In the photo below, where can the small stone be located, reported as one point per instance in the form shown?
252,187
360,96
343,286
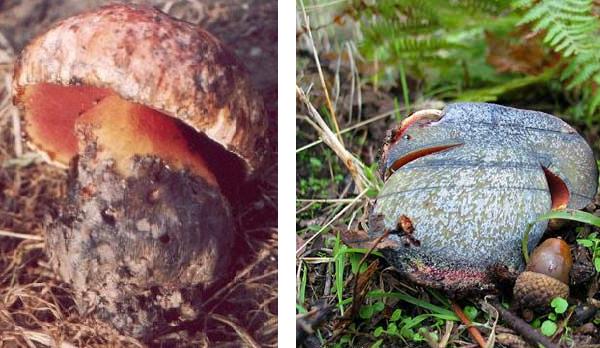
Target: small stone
255,51
587,329
583,313
173,300
156,232
188,312
142,225
153,196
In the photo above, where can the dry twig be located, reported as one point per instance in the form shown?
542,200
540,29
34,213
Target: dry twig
248,339
316,56
473,331
352,163
525,330
20,235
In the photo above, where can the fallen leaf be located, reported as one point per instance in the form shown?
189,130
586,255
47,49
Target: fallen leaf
519,53
361,239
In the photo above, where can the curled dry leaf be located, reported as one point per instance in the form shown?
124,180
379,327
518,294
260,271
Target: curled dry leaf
520,53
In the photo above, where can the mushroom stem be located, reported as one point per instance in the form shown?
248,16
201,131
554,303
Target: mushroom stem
124,129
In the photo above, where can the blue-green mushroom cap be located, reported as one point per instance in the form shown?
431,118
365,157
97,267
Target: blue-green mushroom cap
470,179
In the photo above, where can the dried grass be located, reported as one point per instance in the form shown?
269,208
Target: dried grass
37,309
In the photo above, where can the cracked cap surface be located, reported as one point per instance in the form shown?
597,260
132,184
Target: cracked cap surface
147,57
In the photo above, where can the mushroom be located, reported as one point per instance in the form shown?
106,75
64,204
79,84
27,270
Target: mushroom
471,178
159,123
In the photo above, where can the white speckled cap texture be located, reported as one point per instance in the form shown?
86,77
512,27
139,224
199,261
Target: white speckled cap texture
470,204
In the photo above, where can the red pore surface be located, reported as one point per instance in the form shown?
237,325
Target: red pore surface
123,129
424,116
411,156
50,114
559,193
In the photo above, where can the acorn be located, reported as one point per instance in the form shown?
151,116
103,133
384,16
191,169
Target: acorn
546,275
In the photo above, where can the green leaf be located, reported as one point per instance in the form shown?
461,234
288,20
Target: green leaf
407,333
314,228
548,328
301,309
303,281
471,312
585,242
315,163
378,306
565,214
377,344
536,323
378,331
392,329
355,261
396,315
418,338
372,192
366,312
559,304
597,264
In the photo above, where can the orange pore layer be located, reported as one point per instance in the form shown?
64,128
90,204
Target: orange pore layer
559,192
50,114
418,154
409,121
121,128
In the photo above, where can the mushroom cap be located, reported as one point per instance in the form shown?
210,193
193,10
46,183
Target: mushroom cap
147,57
544,138
471,180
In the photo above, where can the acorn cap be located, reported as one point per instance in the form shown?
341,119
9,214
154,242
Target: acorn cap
147,57
536,290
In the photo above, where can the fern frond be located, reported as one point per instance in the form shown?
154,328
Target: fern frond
572,30
423,33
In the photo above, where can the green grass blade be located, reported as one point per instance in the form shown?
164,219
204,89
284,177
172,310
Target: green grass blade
302,290
339,254
440,312
571,214
404,88
565,214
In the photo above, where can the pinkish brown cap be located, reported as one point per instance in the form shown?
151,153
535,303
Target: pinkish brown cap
149,58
